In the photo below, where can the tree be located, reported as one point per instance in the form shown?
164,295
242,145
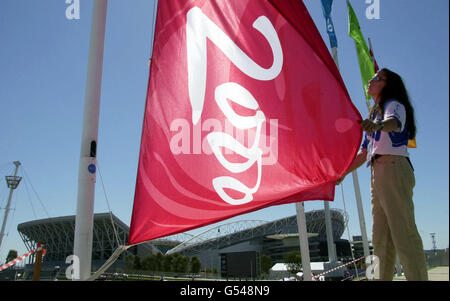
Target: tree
185,264
180,263
266,264
159,261
293,262
167,263
149,263
129,261
137,263
196,265
12,254
174,262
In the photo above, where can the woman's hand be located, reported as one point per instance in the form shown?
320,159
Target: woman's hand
369,126
339,180
359,160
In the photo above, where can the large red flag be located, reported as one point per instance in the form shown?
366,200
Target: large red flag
245,109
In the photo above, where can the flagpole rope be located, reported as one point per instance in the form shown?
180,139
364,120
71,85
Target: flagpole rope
34,190
109,207
339,267
108,262
354,261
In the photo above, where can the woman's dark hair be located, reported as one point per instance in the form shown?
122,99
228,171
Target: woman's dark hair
395,89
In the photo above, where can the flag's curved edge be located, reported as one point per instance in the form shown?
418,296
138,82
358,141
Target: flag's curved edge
294,198
144,122
324,56
122,248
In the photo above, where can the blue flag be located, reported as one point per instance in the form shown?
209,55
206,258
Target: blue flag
326,6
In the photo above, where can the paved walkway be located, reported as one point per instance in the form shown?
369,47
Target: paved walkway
434,274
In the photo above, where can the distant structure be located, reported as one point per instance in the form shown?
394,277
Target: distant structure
233,249
12,182
109,231
357,247
433,241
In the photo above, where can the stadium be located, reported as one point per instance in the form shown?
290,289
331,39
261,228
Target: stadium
57,234
234,249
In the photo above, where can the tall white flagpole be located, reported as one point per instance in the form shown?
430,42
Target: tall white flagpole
332,256
88,162
362,223
303,237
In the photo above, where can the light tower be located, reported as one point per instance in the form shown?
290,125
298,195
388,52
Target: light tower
12,182
433,241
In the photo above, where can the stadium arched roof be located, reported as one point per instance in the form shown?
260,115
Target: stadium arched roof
232,233
58,234
109,232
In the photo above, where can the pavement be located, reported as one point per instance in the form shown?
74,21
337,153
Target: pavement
434,274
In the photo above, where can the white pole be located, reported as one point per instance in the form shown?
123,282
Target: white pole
328,225
303,237
398,266
329,230
362,223
12,185
87,166
335,56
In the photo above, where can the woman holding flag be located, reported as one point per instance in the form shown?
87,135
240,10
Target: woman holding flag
385,148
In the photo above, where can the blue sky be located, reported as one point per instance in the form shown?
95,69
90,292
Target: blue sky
43,64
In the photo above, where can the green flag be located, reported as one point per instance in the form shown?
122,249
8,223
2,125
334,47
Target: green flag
365,60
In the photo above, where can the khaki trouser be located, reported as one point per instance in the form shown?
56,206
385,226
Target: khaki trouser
394,229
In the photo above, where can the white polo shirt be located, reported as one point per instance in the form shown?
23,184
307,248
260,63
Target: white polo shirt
389,143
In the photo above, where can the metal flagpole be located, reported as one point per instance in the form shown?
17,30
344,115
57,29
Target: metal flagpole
330,29
87,166
304,246
326,6
329,230
362,222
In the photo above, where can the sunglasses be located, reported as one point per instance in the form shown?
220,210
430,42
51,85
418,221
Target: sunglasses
377,78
